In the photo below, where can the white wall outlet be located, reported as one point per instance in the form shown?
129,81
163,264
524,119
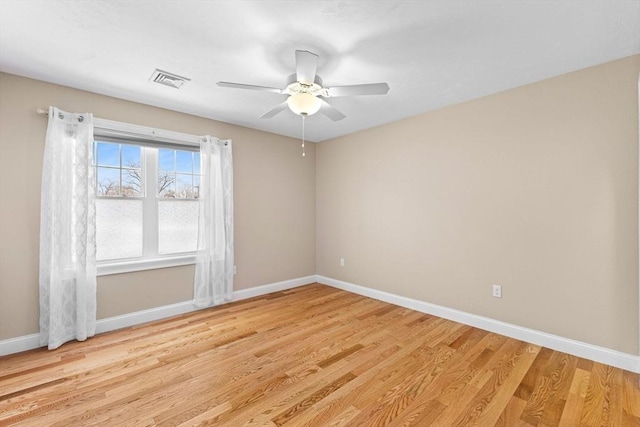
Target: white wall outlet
235,270
341,262
497,291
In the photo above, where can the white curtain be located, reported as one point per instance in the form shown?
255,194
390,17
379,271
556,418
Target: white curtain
67,231
213,282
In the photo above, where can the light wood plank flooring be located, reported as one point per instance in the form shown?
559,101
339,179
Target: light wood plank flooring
311,356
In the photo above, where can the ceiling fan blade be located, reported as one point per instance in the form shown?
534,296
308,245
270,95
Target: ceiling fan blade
330,111
250,87
306,66
366,89
275,110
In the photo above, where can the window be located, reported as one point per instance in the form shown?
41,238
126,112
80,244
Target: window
178,190
179,175
146,205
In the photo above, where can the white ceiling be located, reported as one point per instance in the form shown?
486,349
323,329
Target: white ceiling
432,53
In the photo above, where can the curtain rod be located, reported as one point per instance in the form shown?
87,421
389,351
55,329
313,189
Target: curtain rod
115,129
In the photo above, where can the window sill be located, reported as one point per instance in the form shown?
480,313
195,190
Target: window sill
117,267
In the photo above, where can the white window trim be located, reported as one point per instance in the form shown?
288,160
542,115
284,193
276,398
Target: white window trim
127,131
105,268
104,127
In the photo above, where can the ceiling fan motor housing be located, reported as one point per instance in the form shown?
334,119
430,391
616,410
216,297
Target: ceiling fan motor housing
294,87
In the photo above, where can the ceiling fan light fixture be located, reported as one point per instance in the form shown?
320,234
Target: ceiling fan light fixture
305,90
304,104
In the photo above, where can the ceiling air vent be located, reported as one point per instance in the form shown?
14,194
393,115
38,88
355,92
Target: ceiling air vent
168,79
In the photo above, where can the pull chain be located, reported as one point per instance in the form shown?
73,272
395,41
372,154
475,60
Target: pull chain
303,153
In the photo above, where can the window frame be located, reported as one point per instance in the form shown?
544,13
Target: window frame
146,137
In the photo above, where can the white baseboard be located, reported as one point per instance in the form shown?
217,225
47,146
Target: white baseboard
18,344
588,351
272,287
29,342
144,316
607,356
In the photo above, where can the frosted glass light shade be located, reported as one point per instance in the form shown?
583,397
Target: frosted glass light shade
304,104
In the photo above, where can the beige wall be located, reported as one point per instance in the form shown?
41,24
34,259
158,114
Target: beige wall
274,189
535,189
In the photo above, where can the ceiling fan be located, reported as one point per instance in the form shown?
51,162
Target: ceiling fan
305,90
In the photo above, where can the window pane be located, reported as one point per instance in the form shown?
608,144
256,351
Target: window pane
118,228
108,182
184,186
130,156
178,226
196,162
184,161
166,184
132,182
108,154
166,160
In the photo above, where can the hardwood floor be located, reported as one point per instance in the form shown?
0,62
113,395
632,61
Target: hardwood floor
313,356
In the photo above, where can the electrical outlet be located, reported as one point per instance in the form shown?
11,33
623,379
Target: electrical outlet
497,291
341,262
235,270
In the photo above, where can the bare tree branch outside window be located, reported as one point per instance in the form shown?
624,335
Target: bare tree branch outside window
132,185
165,181
132,180
108,188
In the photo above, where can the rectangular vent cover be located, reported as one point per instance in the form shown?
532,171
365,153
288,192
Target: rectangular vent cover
168,79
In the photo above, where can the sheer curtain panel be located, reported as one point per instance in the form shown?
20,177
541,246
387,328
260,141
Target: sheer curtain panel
67,231
213,282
